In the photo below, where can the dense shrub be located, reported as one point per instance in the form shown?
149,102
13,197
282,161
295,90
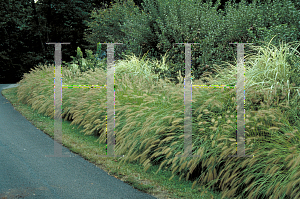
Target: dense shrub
106,27
92,61
161,23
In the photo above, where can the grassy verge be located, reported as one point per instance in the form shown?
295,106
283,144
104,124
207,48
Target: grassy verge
157,185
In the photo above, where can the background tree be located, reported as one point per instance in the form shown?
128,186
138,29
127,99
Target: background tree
161,23
26,27
13,30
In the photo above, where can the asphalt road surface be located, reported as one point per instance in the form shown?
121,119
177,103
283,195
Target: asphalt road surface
26,172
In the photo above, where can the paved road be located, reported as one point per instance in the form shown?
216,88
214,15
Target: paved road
25,172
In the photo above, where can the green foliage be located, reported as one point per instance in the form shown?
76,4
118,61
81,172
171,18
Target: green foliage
16,33
79,57
284,32
84,64
106,24
26,27
161,23
281,19
99,54
176,22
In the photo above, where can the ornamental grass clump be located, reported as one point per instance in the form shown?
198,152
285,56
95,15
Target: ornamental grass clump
149,121
156,133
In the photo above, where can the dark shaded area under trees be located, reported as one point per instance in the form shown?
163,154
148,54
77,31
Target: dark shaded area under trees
28,26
